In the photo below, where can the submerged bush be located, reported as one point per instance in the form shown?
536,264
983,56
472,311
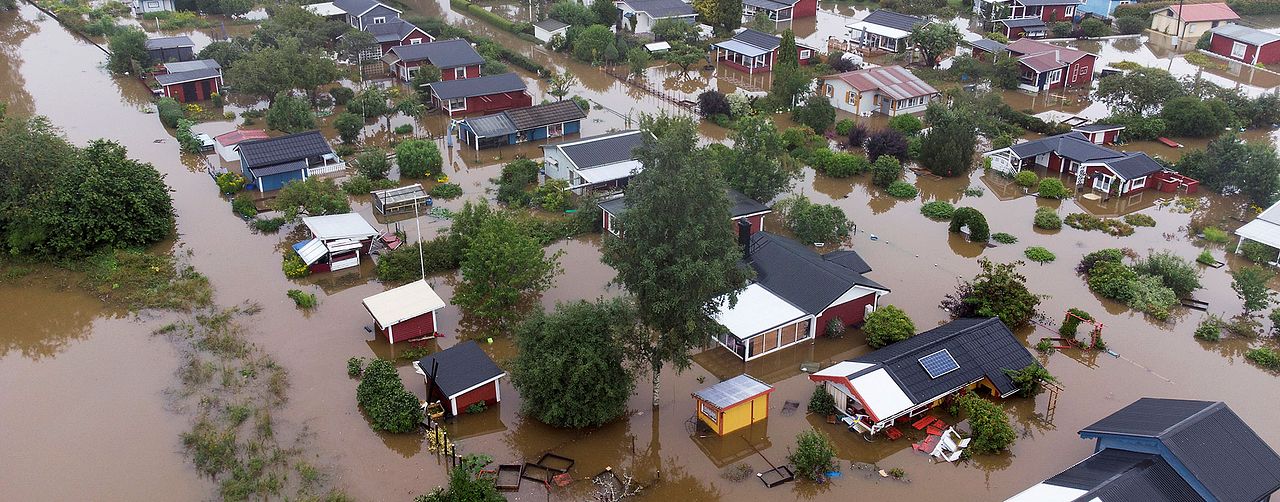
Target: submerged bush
821,402
974,220
1053,188
1004,238
989,423
1264,357
886,325
1026,179
1139,220
382,396
1216,235
902,190
1046,218
937,210
1174,272
813,455
302,299
1258,252
1039,254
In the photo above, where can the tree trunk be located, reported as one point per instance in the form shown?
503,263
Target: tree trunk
657,385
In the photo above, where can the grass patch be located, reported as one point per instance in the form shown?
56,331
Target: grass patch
141,280
1216,235
1039,255
302,299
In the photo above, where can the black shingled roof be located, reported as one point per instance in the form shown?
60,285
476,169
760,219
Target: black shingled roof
981,347
758,38
602,150
1113,474
1134,165
1072,145
800,275
1211,441
291,148
849,259
545,114
988,45
550,24
169,42
392,31
462,367
893,20
479,86
739,205
443,54
1022,22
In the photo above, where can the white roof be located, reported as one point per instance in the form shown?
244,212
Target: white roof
1045,492
403,303
610,172
843,369
339,226
657,47
877,29
757,311
881,394
1265,228
312,251
743,48
326,9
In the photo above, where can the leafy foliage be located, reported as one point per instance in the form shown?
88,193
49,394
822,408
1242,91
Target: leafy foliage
948,148
1026,179
712,103
244,205
997,291
814,454
1230,165
302,299
886,325
816,112
446,191
974,220
933,40
1191,116
902,190
1004,238
1071,323
312,196
937,210
128,51
754,166
501,267
886,142
1174,272
821,402
418,158
885,170
1046,218
467,483
812,222
989,423
389,406
290,114
170,111
1053,188
1265,357
1039,254
1250,284
1139,220
515,180
348,126
1139,91
1029,378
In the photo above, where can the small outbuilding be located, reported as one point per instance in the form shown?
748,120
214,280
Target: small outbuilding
520,125
269,164
191,81
545,29
337,241
1245,44
170,49
461,376
227,144
406,312
490,93
733,404
741,208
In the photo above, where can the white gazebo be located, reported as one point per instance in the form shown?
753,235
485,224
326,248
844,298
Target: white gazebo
1264,229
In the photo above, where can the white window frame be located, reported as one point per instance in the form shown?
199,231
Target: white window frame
415,41
1238,49
1103,182
806,53
850,97
1071,10
1138,183
555,130
460,73
1054,77
709,413
461,102
380,20
153,5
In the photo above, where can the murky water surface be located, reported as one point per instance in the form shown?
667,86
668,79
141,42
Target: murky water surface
83,387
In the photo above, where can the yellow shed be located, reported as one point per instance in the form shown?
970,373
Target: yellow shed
733,404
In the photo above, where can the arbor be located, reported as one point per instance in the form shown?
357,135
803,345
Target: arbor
501,267
348,126
973,220
997,291
1139,91
989,424
570,368
754,166
418,158
1250,284
1190,116
560,84
128,51
886,325
886,142
933,40
948,148
817,113
679,258
290,114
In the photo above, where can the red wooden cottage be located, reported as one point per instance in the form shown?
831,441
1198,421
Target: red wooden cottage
751,51
488,94
406,312
1245,44
1100,134
460,376
1041,65
1031,18
190,81
455,58
394,34
1092,165
741,209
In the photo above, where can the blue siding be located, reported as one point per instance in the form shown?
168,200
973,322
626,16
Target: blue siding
379,11
572,127
277,181
537,133
1149,445
1102,8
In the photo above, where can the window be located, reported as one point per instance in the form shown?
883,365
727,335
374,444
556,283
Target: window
555,130
1055,76
460,73
828,90
710,413
1138,183
153,5
788,335
1071,10
1102,182
379,20
456,104
415,41
849,97
806,53
770,341
1237,50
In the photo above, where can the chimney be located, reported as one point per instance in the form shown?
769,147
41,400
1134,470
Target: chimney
744,238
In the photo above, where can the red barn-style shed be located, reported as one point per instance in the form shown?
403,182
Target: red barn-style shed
191,81
460,376
406,312
1245,44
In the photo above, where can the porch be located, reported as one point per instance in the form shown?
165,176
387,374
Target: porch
329,163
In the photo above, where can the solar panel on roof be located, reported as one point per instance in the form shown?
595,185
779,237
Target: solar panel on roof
939,363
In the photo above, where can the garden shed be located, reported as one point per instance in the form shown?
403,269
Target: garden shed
337,241
399,199
406,312
733,404
461,376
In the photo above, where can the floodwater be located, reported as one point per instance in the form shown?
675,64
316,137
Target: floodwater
112,374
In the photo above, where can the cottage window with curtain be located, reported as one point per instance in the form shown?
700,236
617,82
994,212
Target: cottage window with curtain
460,72
1237,50
805,53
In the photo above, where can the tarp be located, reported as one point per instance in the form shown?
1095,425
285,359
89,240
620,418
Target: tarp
610,172
881,394
403,303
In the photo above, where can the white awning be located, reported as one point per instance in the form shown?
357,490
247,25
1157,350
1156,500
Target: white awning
757,311
745,49
610,172
1045,492
326,9
657,47
1260,230
340,245
403,303
884,31
339,226
881,394
312,251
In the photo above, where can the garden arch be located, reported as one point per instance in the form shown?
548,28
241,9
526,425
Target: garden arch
974,219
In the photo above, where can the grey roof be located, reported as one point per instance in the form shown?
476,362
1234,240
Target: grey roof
461,367
354,7
1113,474
893,20
1033,3
1023,22
988,45
1134,165
392,31
189,71
800,275
849,259
739,205
490,126
545,114
550,24
1072,145
604,149
767,4
479,86
169,42
284,167
662,8
1246,34
1096,127
1210,440
294,147
443,54
615,206
181,66
981,347
732,391
758,39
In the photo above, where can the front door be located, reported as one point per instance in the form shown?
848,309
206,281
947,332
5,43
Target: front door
1103,183
189,92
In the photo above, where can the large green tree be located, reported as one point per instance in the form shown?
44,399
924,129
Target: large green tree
502,267
1229,165
1139,91
999,290
679,257
933,40
948,148
789,79
886,325
290,114
312,196
816,112
128,51
754,165
570,368
1191,116
418,158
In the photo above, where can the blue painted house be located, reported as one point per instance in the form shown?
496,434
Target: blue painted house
520,125
1102,8
1167,450
361,14
270,163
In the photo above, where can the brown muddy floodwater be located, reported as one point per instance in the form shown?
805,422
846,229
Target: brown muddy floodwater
84,388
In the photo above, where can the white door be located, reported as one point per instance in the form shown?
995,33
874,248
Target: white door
1102,183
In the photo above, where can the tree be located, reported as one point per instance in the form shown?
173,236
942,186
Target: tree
886,325
638,61
754,166
723,16
672,29
418,158
353,43
370,103
1175,272
712,103
389,406
128,51
467,483
1190,116
290,114
1139,91
1094,27
817,113
312,196
997,291
235,8
421,81
1250,284
502,267
264,72
814,454
948,148
933,40
560,84
1029,378
885,170
225,52
989,424
813,222
789,80
1229,165
1005,72
1061,29
373,164
839,63
348,126
570,368
572,12
606,12
685,56
593,44
1131,25
679,259
886,142
409,106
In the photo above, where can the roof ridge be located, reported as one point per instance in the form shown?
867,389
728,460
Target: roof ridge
953,334
1193,419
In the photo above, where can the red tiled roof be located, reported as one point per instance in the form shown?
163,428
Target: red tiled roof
894,81
236,136
1202,12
